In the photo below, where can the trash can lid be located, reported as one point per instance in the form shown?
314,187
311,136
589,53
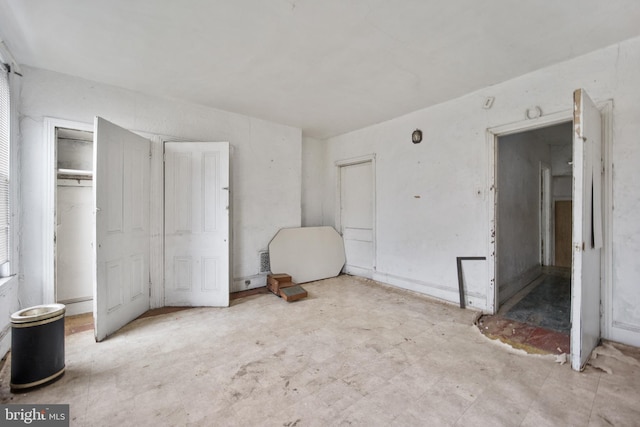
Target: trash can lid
37,313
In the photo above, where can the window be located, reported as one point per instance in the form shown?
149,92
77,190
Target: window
4,164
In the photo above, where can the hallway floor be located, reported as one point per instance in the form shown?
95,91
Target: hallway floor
548,304
353,353
538,318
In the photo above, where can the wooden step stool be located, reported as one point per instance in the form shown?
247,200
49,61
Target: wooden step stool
277,281
281,285
293,293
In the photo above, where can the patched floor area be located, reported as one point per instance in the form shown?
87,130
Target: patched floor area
532,339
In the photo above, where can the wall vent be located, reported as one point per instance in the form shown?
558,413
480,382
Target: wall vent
265,266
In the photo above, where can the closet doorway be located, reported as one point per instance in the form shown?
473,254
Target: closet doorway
74,220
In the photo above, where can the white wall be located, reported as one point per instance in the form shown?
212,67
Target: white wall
74,248
432,197
430,201
561,156
265,163
8,305
74,154
518,229
561,169
562,187
313,159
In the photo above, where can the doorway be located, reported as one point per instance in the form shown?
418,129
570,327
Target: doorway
532,167
74,220
356,216
534,292
120,216
591,206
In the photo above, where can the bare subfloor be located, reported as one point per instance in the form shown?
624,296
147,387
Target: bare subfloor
353,353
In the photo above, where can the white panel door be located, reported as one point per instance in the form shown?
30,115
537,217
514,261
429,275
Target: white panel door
587,229
196,229
356,217
121,191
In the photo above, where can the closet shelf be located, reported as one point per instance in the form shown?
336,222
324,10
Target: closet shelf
75,174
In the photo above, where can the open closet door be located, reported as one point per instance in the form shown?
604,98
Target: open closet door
587,229
122,245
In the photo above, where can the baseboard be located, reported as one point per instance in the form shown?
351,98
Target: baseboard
474,300
516,284
249,282
358,271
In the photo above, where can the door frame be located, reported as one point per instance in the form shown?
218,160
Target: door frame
545,214
49,203
368,158
492,135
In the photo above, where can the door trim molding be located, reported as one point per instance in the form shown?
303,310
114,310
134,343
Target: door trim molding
606,287
545,213
49,202
368,158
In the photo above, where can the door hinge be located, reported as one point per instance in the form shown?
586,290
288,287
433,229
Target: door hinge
150,153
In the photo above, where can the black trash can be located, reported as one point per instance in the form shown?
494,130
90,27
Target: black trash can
37,345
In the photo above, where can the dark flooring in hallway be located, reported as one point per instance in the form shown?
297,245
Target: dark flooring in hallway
537,319
548,305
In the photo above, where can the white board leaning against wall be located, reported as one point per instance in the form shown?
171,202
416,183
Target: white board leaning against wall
307,253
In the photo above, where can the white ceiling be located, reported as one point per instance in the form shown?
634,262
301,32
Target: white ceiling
326,66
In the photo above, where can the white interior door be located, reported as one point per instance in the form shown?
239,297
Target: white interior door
587,229
122,249
356,217
196,230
